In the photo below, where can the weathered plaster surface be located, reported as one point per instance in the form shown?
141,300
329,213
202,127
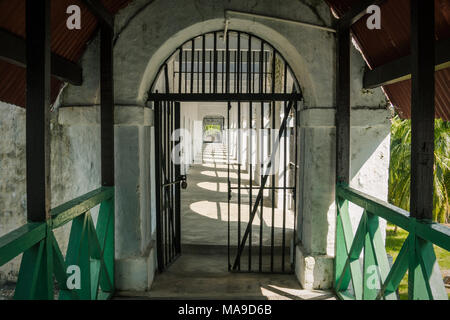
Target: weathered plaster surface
75,170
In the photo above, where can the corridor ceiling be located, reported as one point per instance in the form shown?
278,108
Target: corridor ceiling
69,44
379,47
392,42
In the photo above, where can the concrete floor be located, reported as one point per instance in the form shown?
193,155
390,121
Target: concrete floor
205,276
204,206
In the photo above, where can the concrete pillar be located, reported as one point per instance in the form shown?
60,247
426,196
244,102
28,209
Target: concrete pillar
135,254
316,184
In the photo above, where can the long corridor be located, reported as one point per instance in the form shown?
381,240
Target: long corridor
201,272
204,206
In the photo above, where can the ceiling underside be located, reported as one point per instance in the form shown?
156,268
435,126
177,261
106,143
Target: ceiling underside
392,42
69,44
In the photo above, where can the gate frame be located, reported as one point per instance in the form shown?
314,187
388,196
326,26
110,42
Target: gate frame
214,96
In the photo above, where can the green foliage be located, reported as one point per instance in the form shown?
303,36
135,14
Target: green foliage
212,127
395,238
400,167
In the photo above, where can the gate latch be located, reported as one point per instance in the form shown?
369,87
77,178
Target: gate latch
181,179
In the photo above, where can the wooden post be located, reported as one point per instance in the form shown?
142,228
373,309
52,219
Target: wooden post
343,107
37,109
422,108
342,148
107,104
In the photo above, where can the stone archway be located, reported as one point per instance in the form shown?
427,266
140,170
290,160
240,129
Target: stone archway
149,35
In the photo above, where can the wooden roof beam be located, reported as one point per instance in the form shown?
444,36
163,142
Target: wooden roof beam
400,69
97,8
356,12
13,50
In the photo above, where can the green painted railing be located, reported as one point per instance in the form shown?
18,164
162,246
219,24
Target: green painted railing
90,249
374,278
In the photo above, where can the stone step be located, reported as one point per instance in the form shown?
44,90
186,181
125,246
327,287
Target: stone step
203,276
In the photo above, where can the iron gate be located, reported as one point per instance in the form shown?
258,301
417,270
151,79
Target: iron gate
168,180
239,69
265,228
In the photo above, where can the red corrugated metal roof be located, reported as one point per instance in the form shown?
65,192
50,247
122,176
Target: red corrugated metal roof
67,43
392,41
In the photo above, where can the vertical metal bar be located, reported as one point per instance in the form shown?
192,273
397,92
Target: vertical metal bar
254,71
210,74
284,198
238,67
158,189
169,190
273,69
343,107
261,72
285,80
198,72
203,63
37,111
272,235
172,178
239,157
185,71
261,68
177,188
223,71
241,72
166,169
250,147
422,108
169,179
285,172
215,62
294,191
180,66
235,83
249,64
227,85
228,180
192,64
266,68
239,83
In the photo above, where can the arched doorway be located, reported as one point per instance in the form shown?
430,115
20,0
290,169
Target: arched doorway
252,84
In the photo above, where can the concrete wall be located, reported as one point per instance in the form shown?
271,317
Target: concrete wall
75,170
13,203
135,199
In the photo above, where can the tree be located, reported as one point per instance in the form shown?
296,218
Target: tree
400,167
